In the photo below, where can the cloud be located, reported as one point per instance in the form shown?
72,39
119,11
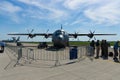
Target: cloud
108,13
73,4
9,7
46,10
65,11
77,4
98,11
10,11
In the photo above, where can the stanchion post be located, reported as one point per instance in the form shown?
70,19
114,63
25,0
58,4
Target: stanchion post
19,56
57,63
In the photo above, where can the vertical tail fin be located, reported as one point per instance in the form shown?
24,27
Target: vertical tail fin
13,38
18,39
61,27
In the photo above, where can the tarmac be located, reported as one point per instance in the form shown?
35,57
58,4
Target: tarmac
86,69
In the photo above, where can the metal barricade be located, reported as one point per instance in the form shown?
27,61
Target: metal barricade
34,54
30,54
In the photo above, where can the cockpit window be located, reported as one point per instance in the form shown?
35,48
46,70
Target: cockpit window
59,32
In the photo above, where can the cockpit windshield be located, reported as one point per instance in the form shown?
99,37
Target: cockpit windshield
59,32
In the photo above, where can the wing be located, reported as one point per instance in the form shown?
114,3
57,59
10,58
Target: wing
90,35
33,35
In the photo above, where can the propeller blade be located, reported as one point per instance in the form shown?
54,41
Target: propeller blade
89,39
28,37
32,30
78,39
47,31
94,38
93,32
90,31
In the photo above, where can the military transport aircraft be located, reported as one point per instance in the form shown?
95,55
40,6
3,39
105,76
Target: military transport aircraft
60,38
14,39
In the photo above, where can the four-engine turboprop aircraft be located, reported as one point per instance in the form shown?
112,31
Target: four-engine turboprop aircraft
14,39
60,38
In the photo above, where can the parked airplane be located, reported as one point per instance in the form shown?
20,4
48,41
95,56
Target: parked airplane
14,39
60,38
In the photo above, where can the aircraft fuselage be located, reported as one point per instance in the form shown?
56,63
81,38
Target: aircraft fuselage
60,38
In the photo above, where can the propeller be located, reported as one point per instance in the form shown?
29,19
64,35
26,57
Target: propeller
91,35
30,35
46,34
75,35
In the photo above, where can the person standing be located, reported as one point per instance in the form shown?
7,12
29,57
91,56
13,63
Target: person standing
97,49
92,46
106,50
116,46
102,48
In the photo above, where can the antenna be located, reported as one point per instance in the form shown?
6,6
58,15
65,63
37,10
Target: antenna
61,26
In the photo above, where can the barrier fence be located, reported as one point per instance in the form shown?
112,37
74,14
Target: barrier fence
32,54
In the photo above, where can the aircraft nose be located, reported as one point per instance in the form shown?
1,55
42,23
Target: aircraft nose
60,37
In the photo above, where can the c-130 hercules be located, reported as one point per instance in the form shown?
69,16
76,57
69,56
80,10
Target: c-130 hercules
60,38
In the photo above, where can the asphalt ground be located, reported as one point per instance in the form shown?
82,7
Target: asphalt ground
86,69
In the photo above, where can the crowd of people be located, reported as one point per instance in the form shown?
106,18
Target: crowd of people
103,46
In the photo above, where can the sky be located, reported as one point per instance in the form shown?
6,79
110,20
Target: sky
21,16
